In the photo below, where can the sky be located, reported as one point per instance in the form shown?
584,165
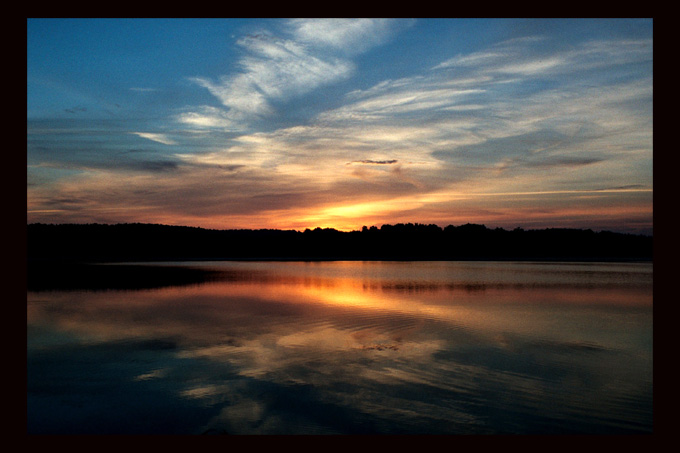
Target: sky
341,123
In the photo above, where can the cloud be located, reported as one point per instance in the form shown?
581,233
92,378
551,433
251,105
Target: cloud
209,117
156,165
279,68
375,162
532,57
348,35
447,129
76,110
160,138
276,69
551,162
479,116
393,100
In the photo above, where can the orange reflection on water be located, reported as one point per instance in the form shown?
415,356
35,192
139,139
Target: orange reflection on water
327,302
255,296
355,326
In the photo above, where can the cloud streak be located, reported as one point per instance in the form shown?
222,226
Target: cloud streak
275,69
160,138
526,57
350,36
375,162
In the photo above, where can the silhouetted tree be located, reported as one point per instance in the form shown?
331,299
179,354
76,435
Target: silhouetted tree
414,241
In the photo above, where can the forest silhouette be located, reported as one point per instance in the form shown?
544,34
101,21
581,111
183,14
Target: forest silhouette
153,242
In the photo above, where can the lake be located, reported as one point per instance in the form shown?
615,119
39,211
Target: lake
347,347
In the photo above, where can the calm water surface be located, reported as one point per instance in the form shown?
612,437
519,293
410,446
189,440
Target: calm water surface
349,348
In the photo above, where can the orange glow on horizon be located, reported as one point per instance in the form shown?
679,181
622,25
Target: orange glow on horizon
454,208
442,208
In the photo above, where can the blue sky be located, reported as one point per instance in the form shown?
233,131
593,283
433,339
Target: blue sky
298,123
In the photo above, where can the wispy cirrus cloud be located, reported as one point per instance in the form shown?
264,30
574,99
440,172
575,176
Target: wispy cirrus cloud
527,57
209,117
470,101
475,129
312,53
159,138
351,36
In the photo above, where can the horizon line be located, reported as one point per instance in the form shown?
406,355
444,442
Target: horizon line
346,231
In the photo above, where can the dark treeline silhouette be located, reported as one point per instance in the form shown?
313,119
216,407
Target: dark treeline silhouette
150,242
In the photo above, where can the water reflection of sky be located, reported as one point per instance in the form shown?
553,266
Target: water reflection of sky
356,347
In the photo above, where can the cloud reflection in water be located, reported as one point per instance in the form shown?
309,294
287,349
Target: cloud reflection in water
373,347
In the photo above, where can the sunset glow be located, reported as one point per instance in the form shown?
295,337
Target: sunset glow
301,123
